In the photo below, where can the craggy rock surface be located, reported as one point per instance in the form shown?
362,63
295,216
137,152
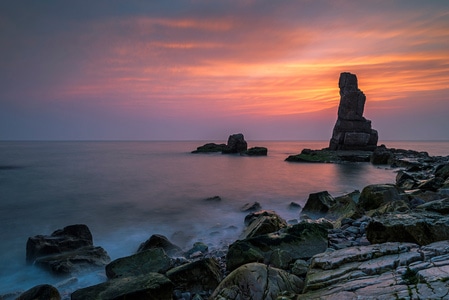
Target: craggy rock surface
382,271
44,292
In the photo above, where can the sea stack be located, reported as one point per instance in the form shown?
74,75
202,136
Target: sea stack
352,131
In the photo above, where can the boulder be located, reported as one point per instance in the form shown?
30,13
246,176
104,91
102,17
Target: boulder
318,204
381,156
198,247
210,148
148,286
236,144
420,227
406,181
299,241
262,222
352,131
153,260
160,241
442,171
66,250
256,151
196,277
256,281
251,207
72,262
376,195
41,292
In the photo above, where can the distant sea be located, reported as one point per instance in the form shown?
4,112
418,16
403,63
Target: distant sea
127,191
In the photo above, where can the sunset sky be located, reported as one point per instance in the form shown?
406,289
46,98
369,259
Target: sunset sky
201,70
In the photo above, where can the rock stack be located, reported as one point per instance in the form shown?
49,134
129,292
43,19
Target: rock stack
352,131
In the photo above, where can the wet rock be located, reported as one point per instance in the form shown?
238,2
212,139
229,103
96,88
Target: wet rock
432,184
442,171
248,207
374,196
160,241
318,204
382,271
66,250
262,222
197,247
197,276
41,292
256,281
300,241
149,261
440,206
416,227
148,286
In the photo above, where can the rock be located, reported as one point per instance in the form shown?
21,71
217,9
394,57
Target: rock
300,241
345,207
374,196
256,281
41,292
236,144
197,247
71,262
213,199
417,227
442,171
440,206
210,148
318,204
251,207
149,261
256,151
62,240
382,271
432,184
66,250
330,156
197,276
406,181
148,286
352,131
381,156
300,268
160,241
262,222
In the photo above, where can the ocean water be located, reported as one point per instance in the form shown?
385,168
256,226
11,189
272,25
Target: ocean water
127,191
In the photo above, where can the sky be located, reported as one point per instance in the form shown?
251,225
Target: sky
202,70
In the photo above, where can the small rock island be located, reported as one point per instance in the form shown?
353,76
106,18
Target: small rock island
236,144
352,131
353,139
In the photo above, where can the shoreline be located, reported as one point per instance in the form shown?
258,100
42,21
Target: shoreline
402,161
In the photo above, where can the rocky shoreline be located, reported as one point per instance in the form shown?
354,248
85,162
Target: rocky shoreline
388,241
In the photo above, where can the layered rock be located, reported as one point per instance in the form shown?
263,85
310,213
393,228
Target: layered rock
66,250
352,131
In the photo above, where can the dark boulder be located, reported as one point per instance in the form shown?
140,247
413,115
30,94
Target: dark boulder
160,241
195,277
148,286
300,241
152,260
40,292
248,207
66,250
376,195
381,156
442,171
262,222
318,204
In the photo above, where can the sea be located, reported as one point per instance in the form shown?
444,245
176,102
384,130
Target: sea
126,191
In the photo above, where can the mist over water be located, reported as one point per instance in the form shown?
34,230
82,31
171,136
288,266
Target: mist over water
127,191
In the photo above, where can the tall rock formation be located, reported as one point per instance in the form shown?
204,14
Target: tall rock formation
352,131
